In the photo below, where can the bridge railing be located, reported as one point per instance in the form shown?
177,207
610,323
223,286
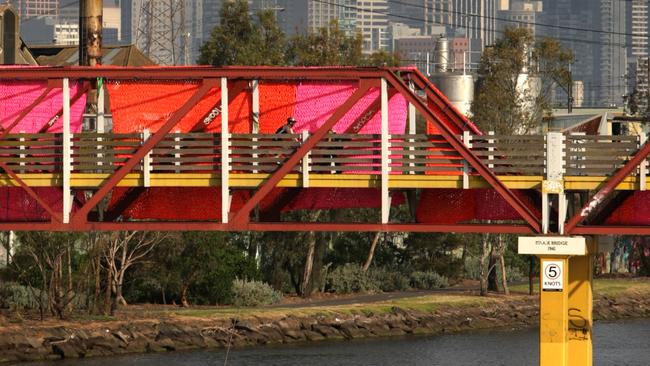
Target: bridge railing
588,155
32,152
335,154
511,154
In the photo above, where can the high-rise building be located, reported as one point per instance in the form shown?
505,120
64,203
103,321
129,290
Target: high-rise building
479,17
565,20
638,28
475,19
638,51
613,53
521,14
66,34
112,24
293,16
320,14
34,8
372,23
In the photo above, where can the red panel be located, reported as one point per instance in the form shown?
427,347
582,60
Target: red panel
139,105
277,103
17,205
183,203
332,198
452,206
634,210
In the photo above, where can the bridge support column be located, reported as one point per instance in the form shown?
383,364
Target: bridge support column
553,311
581,306
565,298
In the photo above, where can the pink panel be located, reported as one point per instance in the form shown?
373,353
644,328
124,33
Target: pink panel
16,96
317,101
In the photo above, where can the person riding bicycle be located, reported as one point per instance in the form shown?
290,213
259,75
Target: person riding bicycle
287,128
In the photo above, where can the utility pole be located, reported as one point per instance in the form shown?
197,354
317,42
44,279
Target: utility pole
90,32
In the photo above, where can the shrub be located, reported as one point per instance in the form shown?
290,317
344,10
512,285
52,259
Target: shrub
17,297
428,280
253,293
350,278
388,280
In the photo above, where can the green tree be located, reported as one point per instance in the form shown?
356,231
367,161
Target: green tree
192,267
332,46
47,264
241,40
516,77
327,46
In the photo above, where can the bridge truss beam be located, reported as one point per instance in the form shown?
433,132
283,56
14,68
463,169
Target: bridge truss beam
367,77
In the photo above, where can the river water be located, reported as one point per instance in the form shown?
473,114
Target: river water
615,344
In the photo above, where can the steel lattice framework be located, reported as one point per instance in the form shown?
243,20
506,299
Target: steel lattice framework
414,87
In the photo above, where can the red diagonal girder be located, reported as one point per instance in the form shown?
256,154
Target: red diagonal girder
243,215
466,153
607,188
432,93
31,192
116,177
233,92
367,114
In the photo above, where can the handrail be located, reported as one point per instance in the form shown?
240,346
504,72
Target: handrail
335,154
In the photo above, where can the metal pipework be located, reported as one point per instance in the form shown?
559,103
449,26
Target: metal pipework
90,32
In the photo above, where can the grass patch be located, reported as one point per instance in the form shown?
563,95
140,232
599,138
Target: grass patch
428,303
603,286
93,318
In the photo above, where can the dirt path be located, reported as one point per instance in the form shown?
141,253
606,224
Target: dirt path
294,303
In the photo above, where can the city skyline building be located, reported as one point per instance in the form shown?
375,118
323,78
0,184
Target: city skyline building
638,51
613,53
521,14
566,18
372,23
35,8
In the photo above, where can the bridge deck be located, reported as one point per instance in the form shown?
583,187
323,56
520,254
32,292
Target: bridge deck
251,180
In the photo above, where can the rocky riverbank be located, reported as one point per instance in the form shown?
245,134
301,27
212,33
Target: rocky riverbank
24,342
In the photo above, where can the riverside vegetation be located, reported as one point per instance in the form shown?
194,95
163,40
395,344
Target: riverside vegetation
160,329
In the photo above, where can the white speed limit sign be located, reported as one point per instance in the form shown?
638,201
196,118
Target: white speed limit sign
552,275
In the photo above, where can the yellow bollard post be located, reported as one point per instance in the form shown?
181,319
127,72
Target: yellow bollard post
565,298
581,307
554,306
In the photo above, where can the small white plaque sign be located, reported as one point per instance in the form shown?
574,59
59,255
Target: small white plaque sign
552,275
552,245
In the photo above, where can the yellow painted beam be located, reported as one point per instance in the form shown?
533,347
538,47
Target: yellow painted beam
592,183
240,180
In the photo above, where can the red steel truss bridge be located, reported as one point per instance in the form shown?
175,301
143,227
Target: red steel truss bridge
370,138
